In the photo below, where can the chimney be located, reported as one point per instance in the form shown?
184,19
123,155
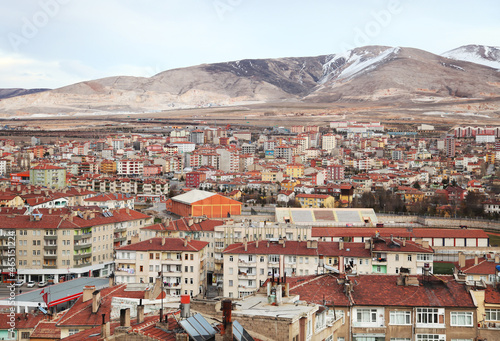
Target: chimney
341,245
87,292
96,301
134,239
105,328
404,242
185,242
476,260
185,306
127,210
111,280
50,211
227,308
140,312
461,260
125,317
245,243
497,258
190,222
162,241
367,244
425,244
257,243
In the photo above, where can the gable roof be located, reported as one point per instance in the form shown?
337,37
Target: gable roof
170,244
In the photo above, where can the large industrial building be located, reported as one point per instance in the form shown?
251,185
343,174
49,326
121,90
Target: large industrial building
198,203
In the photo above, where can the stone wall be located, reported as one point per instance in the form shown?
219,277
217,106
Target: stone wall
266,328
207,307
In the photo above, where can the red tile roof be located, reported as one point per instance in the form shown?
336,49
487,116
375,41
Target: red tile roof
484,267
492,295
46,330
80,314
395,245
171,244
23,321
382,290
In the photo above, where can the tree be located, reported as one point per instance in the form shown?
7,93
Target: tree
472,205
416,185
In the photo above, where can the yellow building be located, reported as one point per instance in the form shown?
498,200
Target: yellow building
271,175
289,185
294,170
316,200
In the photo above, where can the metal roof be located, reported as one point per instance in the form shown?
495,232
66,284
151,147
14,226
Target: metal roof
193,196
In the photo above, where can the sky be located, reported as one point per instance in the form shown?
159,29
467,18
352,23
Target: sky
53,43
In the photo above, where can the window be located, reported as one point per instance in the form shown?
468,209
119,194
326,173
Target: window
424,257
73,331
274,258
492,315
400,317
150,268
151,256
430,316
430,337
461,318
230,282
261,271
230,271
186,256
141,268
409,258
366,315
191,257
25,335
231,258
262,259
157,256
397,258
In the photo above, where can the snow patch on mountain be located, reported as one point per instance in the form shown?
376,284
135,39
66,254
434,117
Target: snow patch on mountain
479,54
354,62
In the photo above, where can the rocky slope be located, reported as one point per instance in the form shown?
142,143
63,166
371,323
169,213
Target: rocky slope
371,73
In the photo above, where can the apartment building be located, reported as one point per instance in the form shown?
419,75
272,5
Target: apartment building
181,261
130,167
48,175
59,244
399,307
247,265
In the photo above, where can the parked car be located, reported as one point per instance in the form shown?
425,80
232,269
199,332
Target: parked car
19,283
42,284
31,284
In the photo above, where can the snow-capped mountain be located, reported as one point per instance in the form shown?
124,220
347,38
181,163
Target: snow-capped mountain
479,54
365,74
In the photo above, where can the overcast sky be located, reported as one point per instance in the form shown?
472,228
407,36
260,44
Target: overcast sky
52,43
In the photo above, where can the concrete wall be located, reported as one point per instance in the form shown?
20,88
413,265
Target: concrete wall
269,328
207,307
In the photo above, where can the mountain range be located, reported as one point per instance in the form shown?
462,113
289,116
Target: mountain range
370,74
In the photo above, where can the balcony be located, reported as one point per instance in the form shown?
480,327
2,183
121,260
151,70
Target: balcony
380,260
120,239
251,263
120,229
82,265
50,266
82,246
50,247
49,237
82,256
246,287
244,275
219,261
77,237
49,256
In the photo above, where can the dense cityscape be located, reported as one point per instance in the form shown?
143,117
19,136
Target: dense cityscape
346,230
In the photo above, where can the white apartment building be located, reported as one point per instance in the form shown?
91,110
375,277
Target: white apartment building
181,263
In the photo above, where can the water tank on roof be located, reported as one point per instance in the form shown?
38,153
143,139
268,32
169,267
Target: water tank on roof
497,268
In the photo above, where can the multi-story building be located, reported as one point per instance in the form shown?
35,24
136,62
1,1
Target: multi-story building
48,175
193,179
315,200
398,307
53,244
328,142
181,263
130,167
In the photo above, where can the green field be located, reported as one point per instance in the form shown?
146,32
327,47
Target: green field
443,269
494,240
